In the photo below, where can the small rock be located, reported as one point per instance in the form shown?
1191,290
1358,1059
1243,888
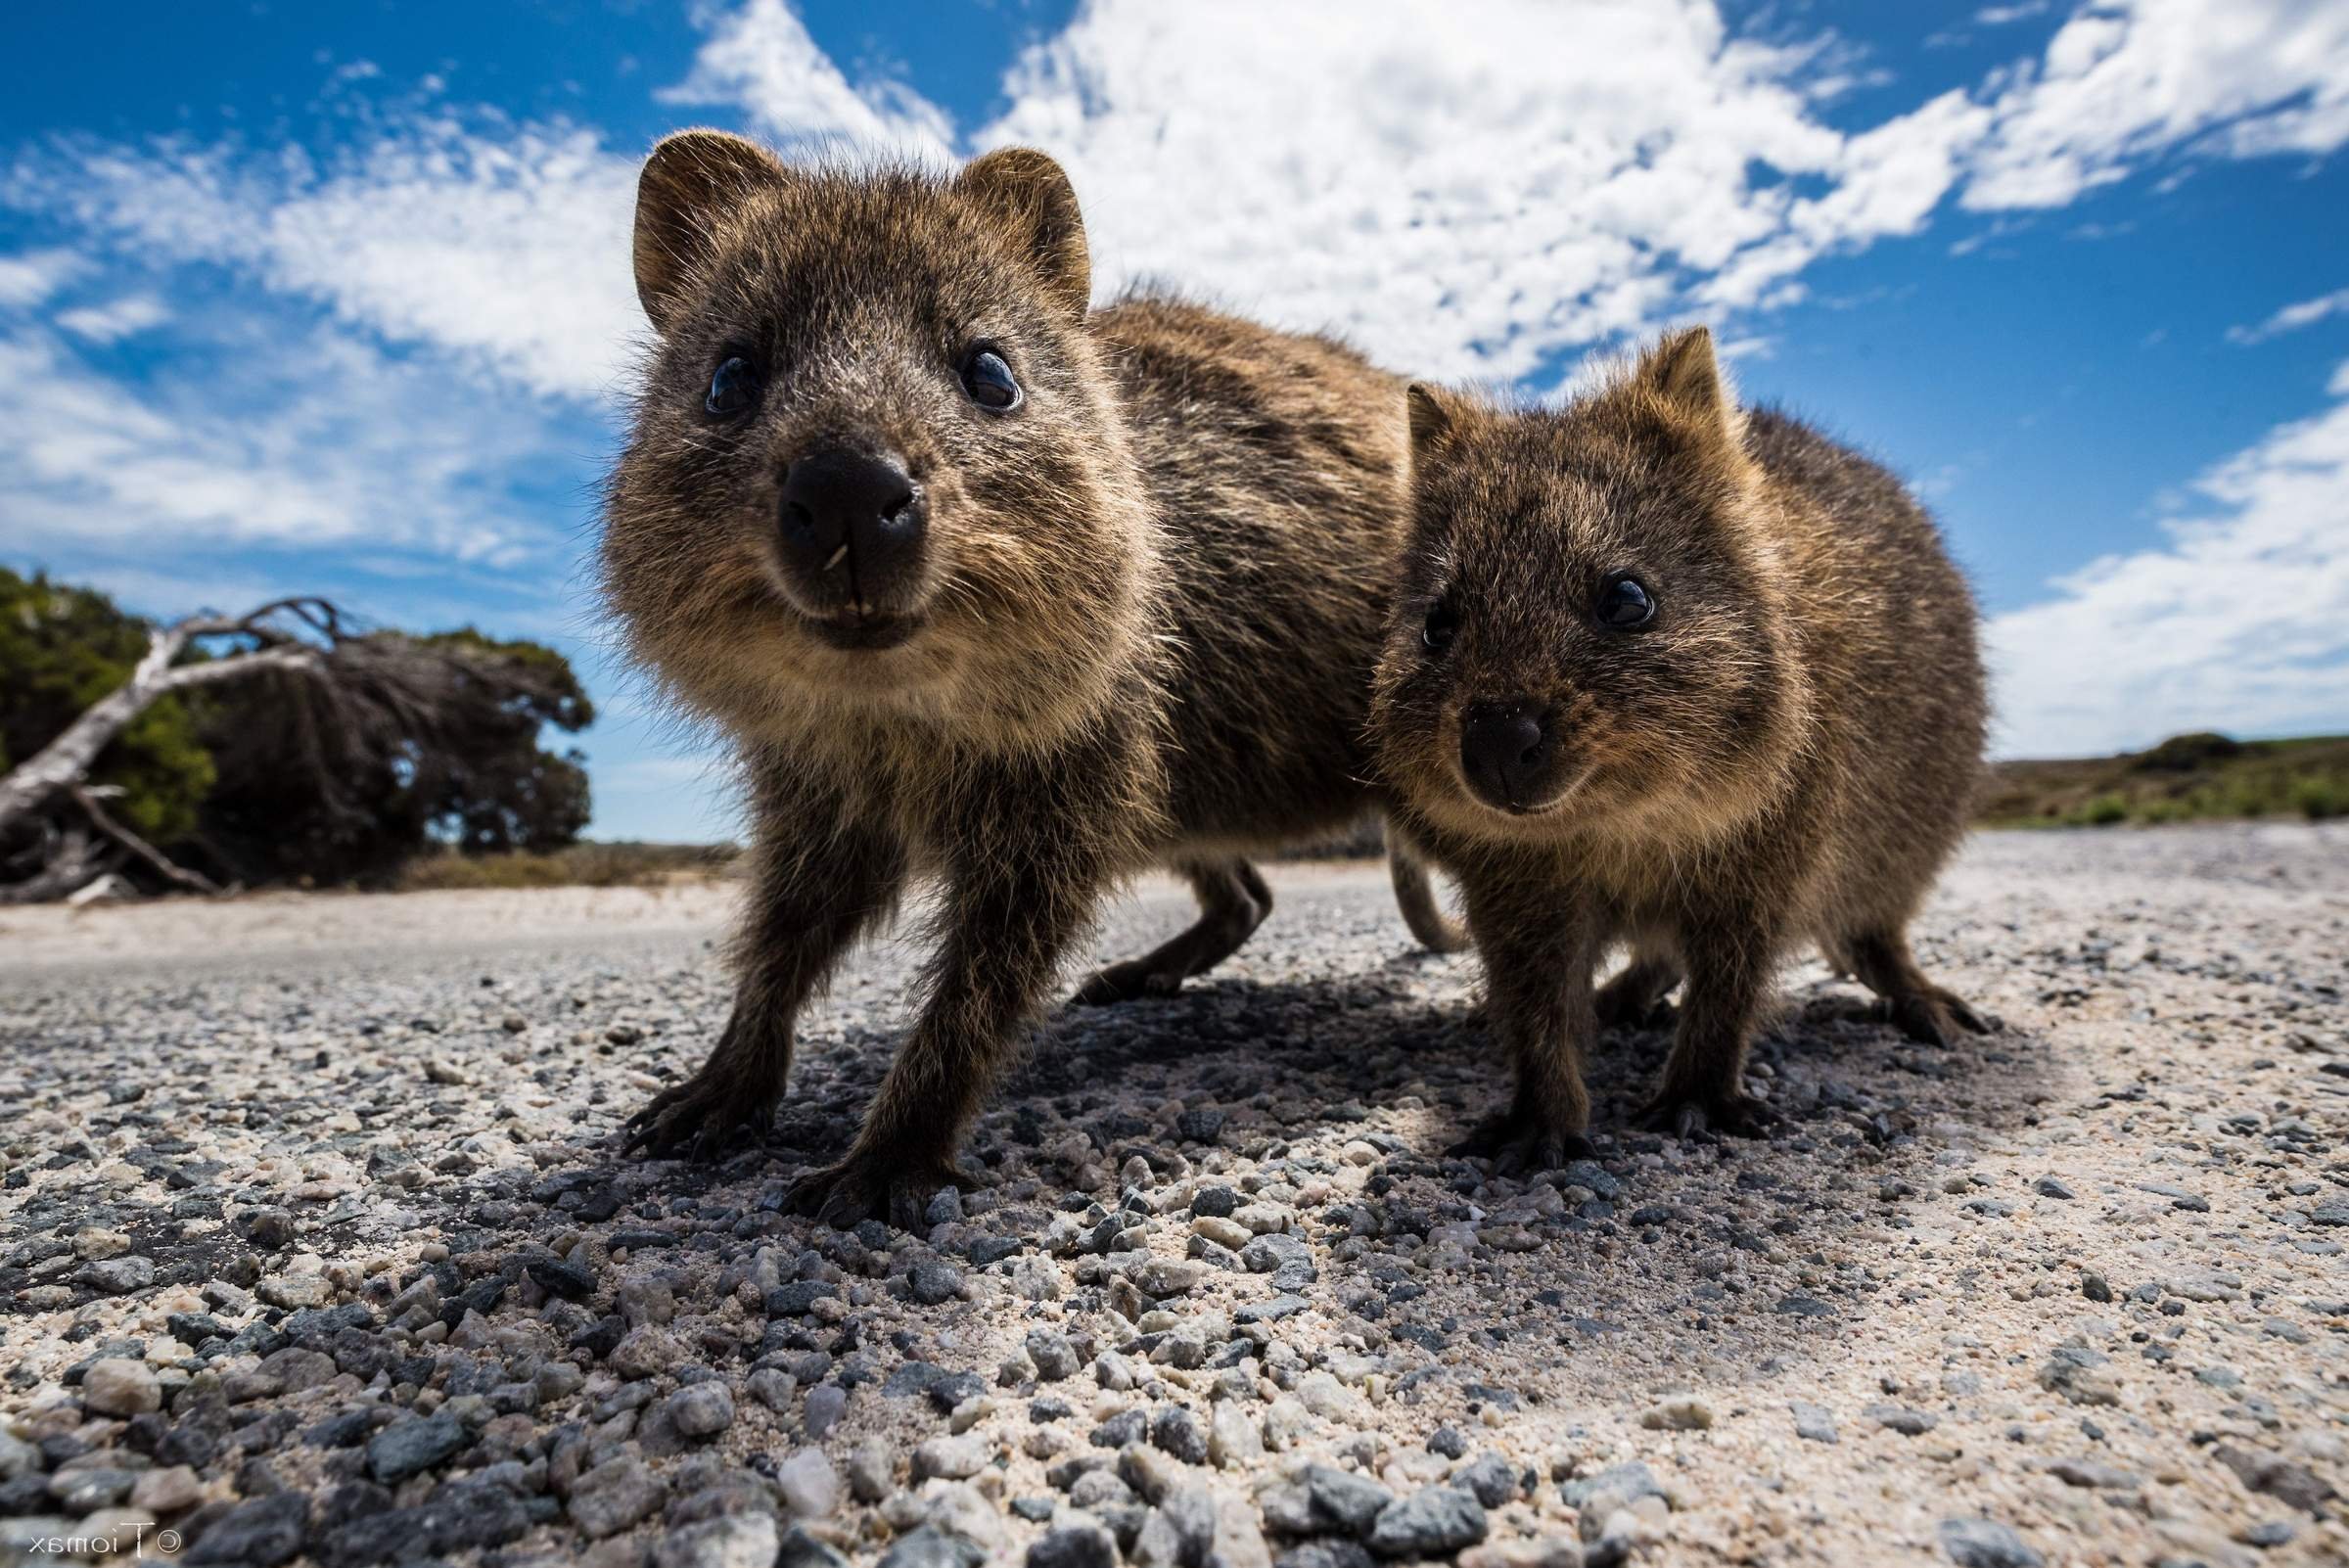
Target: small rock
701,1409
1986,1543
267,1529
167,1489
1434,1522
931,1547
933,1283
822,1410
1812,1423
1233,1439
1343,1500
1083,1546
2090,1473
410,1448
2049,1187
1681,1415
117,1385
613,1496
1054,1356
872,1470
955,1458
1176,1431
748,1539
809,1485
1900,1418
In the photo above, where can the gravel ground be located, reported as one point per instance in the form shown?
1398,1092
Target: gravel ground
312,1244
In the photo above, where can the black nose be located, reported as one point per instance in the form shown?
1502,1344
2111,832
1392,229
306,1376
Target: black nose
851,529
1508,753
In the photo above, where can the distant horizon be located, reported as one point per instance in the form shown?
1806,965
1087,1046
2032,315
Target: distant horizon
341,303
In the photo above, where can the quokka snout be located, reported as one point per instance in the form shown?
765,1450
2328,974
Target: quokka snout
1672,677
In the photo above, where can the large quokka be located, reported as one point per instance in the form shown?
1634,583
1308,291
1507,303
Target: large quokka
988,587
1696,682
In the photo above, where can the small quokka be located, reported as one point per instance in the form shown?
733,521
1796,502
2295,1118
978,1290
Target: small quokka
1688,679
990,588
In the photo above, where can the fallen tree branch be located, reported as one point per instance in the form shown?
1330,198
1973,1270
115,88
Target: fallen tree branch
163,865
66,761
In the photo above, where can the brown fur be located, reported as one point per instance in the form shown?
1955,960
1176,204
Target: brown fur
1784,753
1149,607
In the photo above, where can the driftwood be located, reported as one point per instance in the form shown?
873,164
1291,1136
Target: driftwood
76,840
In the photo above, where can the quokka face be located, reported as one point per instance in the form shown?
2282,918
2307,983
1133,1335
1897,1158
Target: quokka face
872,468
1586,629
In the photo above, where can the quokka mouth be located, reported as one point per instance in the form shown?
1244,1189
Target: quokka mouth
870,633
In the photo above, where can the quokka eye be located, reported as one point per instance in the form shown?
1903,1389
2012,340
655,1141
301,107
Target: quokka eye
733,388
988,381
1442,624
1624,603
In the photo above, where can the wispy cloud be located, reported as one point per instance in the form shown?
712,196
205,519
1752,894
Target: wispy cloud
2292,317
2239,621
115,319
2126,82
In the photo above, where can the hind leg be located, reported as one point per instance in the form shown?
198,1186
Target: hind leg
1923,1010
1632,997
1233,901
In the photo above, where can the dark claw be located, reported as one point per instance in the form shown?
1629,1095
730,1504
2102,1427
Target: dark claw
866,1186
1685,1117
1520,1146
700,1119
1124,983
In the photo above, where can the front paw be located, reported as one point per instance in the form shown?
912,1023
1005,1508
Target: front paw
700,1119
1521,1146
1685,1116
1131,981
876,1187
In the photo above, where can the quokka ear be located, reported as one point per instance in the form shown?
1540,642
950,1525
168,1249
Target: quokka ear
690,182
1681,373
1437,418
1030,196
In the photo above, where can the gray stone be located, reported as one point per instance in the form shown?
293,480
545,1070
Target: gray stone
809,1485
932,1548
933,1283
613,1496
872,1469
1492,1478
1433,1522
1078,1546
266,1531
1986,1543
1054,1356
1176,1431
956,1458
748,1539
1343,1500
117,1385
701,1409
410,1448
1812,1423
825,1405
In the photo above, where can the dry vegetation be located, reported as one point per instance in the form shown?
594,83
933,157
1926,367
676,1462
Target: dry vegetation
624,864
2185,778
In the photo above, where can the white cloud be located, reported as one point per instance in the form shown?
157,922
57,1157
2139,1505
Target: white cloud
2238,622
761,59
2292,317
507,246
2002,15
116,319
292,441
2124,81
31,276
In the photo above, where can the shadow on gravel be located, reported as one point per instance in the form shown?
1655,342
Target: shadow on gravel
1670,1253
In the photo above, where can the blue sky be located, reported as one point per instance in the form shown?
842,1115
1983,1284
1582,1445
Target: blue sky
337,299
